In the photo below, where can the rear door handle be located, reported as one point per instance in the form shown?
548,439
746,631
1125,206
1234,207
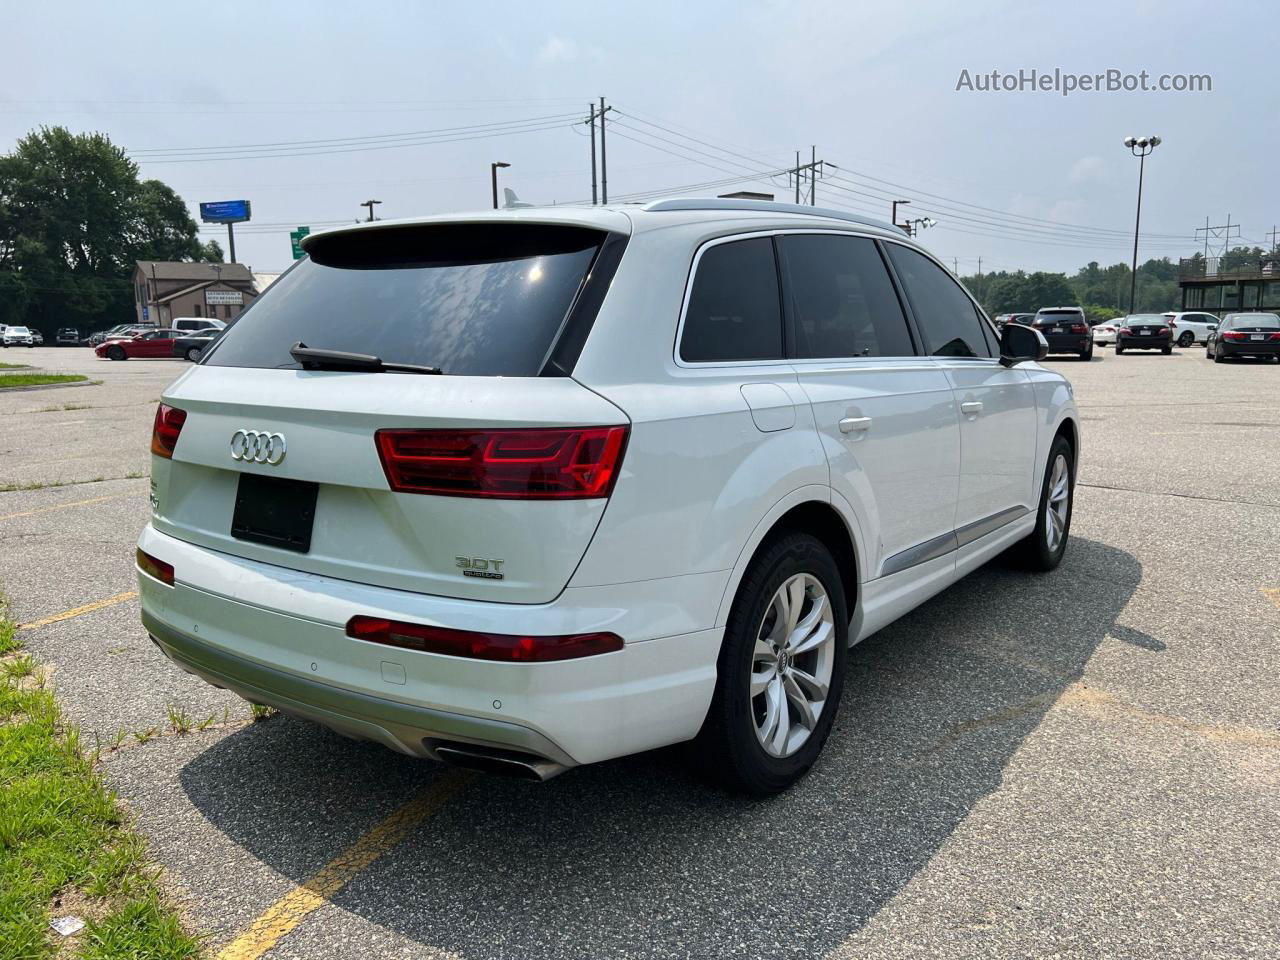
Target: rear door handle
855,424
971,408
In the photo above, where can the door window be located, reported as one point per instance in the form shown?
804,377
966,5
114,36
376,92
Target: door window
947,318
735,310
843,301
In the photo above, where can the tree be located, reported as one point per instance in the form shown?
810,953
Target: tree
73,219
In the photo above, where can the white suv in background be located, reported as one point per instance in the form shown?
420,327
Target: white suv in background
17,337
1191,328
530,489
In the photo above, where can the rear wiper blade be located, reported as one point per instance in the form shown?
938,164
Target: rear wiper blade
315,359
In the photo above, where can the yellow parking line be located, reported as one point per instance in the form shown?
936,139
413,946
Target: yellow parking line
1272,594
294,907
75,612
64,506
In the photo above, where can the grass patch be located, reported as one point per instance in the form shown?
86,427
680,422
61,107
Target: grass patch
62,835
15,366
8,380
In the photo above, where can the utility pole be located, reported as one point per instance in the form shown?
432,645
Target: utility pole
370,204
814,169
979,278
592,122
1274,235
604,160
231,241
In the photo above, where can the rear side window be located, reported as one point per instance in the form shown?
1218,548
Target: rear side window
471,299
947,318
843,300
734,310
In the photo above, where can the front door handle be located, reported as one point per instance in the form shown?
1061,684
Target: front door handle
971,408
855,424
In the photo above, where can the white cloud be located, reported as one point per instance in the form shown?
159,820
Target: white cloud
1088,169
557,50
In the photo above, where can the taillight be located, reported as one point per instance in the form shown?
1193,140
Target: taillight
155,567
1274,336
1234,336
165,430
481,646
1079,328
1164,332
518,464
1125,330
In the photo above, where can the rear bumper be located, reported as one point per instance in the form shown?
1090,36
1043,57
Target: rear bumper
1144,343
277,636
1069,342
1243,348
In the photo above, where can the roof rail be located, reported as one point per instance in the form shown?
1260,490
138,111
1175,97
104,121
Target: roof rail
765,206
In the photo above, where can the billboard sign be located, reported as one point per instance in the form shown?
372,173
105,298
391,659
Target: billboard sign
225,211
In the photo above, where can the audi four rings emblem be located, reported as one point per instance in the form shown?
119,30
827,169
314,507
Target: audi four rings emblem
257,446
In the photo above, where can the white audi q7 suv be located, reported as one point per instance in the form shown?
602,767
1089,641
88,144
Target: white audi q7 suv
529,489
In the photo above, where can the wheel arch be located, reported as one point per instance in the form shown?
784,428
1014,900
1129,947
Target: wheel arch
808,510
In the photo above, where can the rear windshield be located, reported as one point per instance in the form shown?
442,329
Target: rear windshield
1060,314
471,299
1147,320
1255,321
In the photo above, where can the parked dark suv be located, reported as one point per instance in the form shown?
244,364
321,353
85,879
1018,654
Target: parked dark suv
68,337
1066,329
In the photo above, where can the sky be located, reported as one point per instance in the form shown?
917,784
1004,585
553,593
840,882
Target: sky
707,97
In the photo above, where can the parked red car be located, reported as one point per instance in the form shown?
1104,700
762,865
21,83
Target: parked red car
148,343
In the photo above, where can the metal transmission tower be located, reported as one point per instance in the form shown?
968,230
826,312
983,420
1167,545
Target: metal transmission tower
1219,234
811,172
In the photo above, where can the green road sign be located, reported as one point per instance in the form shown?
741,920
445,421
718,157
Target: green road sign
295,238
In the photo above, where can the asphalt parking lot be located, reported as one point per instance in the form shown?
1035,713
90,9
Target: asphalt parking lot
1080,764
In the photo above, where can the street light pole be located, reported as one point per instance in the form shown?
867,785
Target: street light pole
370,204
493,176
1140,147
893,216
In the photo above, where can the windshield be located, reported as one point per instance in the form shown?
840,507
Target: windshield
471,299
1253,321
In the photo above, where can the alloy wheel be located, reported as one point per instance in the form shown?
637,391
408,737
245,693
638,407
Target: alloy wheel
1058,504
791,665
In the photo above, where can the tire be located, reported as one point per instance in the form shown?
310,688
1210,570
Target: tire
1119,349
1217,357
733,738
1040,550
116,353
193,354
1187,339
1087,355
1166,350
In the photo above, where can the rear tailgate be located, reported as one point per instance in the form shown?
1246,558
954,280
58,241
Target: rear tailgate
362,530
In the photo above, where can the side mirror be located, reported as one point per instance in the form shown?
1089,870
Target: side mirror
1212,326
1019,344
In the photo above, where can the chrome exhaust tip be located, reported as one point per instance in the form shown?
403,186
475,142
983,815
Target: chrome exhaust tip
499,762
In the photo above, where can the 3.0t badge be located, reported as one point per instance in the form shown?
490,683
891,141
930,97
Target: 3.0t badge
257,446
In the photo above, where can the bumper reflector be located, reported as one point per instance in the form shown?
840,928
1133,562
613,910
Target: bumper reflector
154,567
511,648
